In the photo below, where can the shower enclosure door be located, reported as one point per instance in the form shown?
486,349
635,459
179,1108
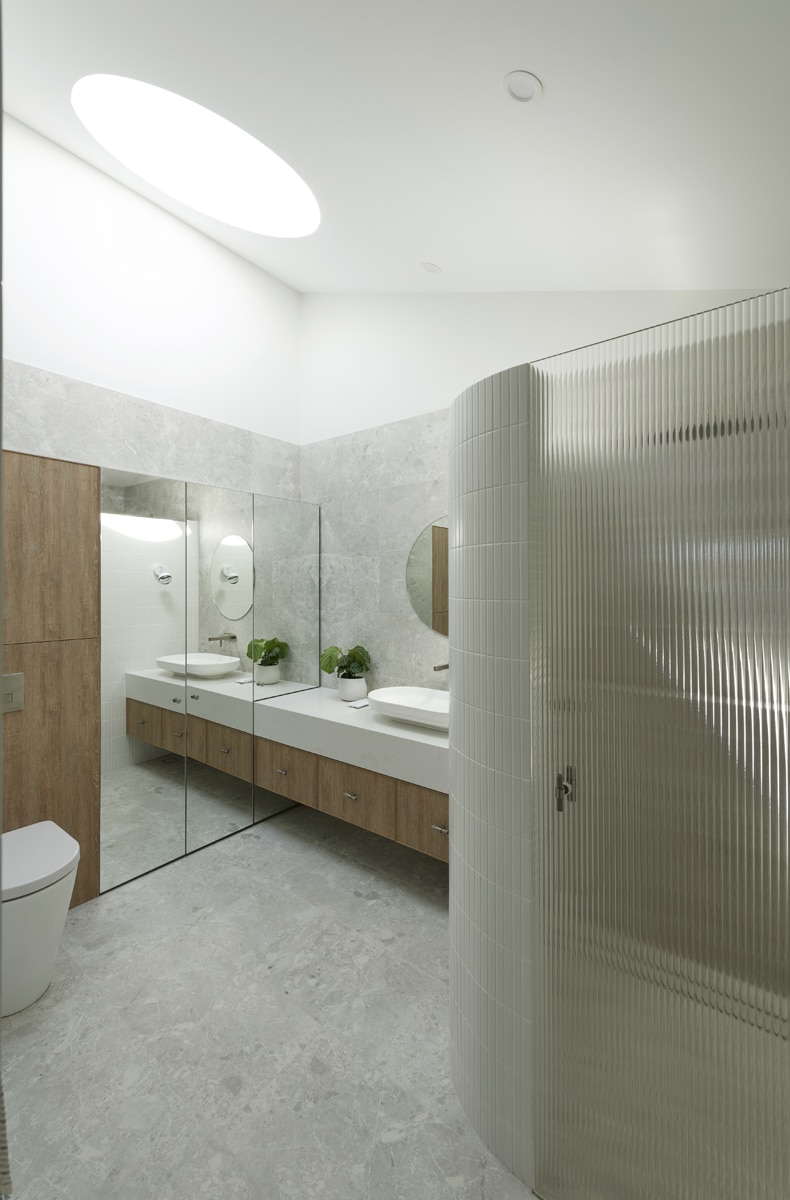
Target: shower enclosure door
660,511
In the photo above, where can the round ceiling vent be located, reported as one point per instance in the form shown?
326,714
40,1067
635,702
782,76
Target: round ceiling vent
523,86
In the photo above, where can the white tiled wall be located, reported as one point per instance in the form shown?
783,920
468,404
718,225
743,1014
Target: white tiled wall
490,766
140,620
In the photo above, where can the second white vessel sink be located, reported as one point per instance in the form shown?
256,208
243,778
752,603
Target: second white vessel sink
417,705
199,664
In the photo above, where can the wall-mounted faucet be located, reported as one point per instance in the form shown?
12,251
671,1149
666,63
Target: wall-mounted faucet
442,667
223,637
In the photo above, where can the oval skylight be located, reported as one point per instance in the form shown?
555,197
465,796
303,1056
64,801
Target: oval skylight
196,156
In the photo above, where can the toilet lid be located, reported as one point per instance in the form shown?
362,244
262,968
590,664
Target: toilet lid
34,857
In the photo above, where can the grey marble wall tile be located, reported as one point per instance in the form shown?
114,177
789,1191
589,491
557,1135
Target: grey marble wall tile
349,583
405,510
398,453
58,417
378,489
350,521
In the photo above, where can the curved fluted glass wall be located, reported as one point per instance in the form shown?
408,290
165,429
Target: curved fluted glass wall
620,568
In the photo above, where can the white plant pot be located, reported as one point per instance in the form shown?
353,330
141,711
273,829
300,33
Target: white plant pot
267,674
352,689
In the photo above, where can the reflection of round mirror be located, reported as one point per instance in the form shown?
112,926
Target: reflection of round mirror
231,577
426,576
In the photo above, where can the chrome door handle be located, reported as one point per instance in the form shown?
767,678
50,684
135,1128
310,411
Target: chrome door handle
280,771
223,751
194,695
350,795
440,828
176,699
563,788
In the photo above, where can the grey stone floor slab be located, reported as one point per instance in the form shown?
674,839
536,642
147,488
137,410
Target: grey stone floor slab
265,1019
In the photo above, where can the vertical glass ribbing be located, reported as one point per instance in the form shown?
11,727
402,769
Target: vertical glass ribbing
660,519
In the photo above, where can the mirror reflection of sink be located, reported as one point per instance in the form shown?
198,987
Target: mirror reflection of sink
417,705
200,665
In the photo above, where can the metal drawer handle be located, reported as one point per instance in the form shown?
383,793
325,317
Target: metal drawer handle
223,751
350,795
440,828
176,699
280,771
179,735
194,695
141,722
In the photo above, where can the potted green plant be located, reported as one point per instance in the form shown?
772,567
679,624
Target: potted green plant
266,654
350,667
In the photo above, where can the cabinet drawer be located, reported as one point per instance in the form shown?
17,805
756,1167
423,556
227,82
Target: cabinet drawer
229,750
184,734
144,721
287,771
422,815
356,795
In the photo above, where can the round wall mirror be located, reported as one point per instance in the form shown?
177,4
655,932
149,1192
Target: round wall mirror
232,577
427,576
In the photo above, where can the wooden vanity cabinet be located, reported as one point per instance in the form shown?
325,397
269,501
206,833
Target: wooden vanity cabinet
286,771
144,721
422,820
229,750
414,816
362,797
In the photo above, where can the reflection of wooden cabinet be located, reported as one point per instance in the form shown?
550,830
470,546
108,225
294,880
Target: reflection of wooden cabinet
229,750
184,734
287,771
362,797
144,721
423,820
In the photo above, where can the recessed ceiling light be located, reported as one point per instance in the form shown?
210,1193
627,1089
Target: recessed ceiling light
431,268
196,156
523,86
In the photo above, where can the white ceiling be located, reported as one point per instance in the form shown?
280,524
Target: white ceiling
656,158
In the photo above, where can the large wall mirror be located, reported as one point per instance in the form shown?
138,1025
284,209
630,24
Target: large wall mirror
427,580
192,577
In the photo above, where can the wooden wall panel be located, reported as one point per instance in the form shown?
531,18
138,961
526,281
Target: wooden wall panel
50,549
51,747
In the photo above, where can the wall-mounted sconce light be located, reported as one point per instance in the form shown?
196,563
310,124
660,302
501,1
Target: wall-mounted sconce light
162,574
229,574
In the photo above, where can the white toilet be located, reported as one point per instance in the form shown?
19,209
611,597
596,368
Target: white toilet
38,868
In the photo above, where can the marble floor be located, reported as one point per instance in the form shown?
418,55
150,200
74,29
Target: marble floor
265,1019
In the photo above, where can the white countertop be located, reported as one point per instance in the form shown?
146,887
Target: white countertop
311,719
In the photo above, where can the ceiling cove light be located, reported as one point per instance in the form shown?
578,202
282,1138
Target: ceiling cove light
196,156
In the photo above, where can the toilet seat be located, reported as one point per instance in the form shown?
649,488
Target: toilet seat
35,857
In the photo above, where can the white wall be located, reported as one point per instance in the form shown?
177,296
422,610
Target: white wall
105,287
368,360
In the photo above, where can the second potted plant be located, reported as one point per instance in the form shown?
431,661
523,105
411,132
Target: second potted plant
350,667
266,654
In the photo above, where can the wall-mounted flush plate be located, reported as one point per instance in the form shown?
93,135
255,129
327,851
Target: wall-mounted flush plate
13,692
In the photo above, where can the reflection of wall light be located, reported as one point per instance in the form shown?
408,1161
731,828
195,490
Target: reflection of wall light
233,539
143,529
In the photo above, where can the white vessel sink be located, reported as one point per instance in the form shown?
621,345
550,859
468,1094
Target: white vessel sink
417,705
200,665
